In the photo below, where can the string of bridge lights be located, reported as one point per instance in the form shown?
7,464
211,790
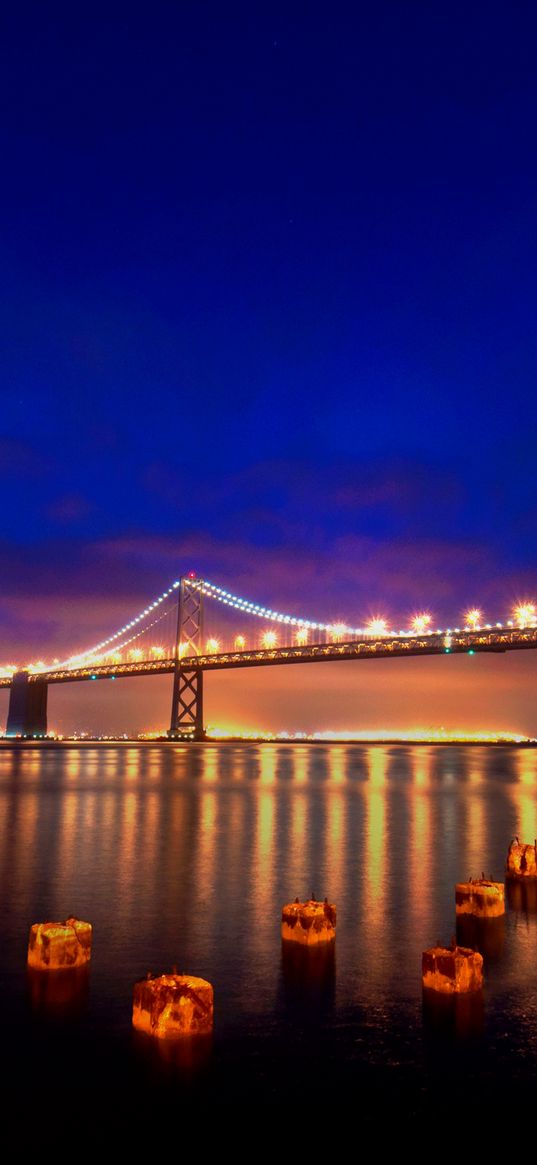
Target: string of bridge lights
133,638
210,590
112,639
525,614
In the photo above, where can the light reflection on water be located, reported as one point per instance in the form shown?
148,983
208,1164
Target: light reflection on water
184,855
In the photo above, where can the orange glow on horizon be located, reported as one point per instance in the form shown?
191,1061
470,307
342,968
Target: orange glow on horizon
408,735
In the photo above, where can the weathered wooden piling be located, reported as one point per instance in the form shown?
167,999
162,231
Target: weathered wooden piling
480,897
452,970
521,860
309,923
172,1006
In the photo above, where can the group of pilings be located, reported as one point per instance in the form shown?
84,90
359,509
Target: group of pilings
167,1006
452,977
176,1005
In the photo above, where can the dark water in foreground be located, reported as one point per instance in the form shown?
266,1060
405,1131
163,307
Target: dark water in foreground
184,855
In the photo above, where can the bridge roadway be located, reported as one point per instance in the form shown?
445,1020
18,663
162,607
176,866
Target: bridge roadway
454,643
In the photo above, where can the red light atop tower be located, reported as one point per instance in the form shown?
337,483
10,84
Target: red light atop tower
192,574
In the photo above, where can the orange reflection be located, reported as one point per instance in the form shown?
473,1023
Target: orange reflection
68,832
132,767
239,764
336,843
74,762
19,834
210,765
523,794
294,864
127,847
336,765
300,757
233,844
261,936
376,843
421,843
527,766
269,761
207,842
476,834
263,844
422,768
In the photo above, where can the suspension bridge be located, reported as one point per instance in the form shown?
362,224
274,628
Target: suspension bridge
195,627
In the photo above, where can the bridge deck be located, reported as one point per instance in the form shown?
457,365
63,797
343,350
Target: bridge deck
497,640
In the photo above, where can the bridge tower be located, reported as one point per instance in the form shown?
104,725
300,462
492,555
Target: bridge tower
27,713
187,699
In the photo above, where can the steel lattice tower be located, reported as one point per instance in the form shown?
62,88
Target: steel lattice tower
187,700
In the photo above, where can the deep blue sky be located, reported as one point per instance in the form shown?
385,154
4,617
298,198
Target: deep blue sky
268,307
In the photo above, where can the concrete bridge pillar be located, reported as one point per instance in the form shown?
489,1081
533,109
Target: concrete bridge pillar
27,713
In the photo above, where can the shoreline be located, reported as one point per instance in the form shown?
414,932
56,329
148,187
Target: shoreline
128,742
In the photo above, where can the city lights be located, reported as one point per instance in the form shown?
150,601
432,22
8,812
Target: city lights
270,639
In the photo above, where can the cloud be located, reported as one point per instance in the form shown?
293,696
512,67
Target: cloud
324,541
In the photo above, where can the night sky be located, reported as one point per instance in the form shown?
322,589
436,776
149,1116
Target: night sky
268,312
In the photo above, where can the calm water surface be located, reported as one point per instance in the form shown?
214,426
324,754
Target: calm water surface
184,855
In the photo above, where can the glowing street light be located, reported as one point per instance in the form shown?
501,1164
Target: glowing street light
240,642
213,645
525,613
420,623
377,626
302,637
270,639
337,631
473,618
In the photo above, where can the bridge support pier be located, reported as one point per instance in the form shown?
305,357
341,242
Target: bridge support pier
187,705
27,713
